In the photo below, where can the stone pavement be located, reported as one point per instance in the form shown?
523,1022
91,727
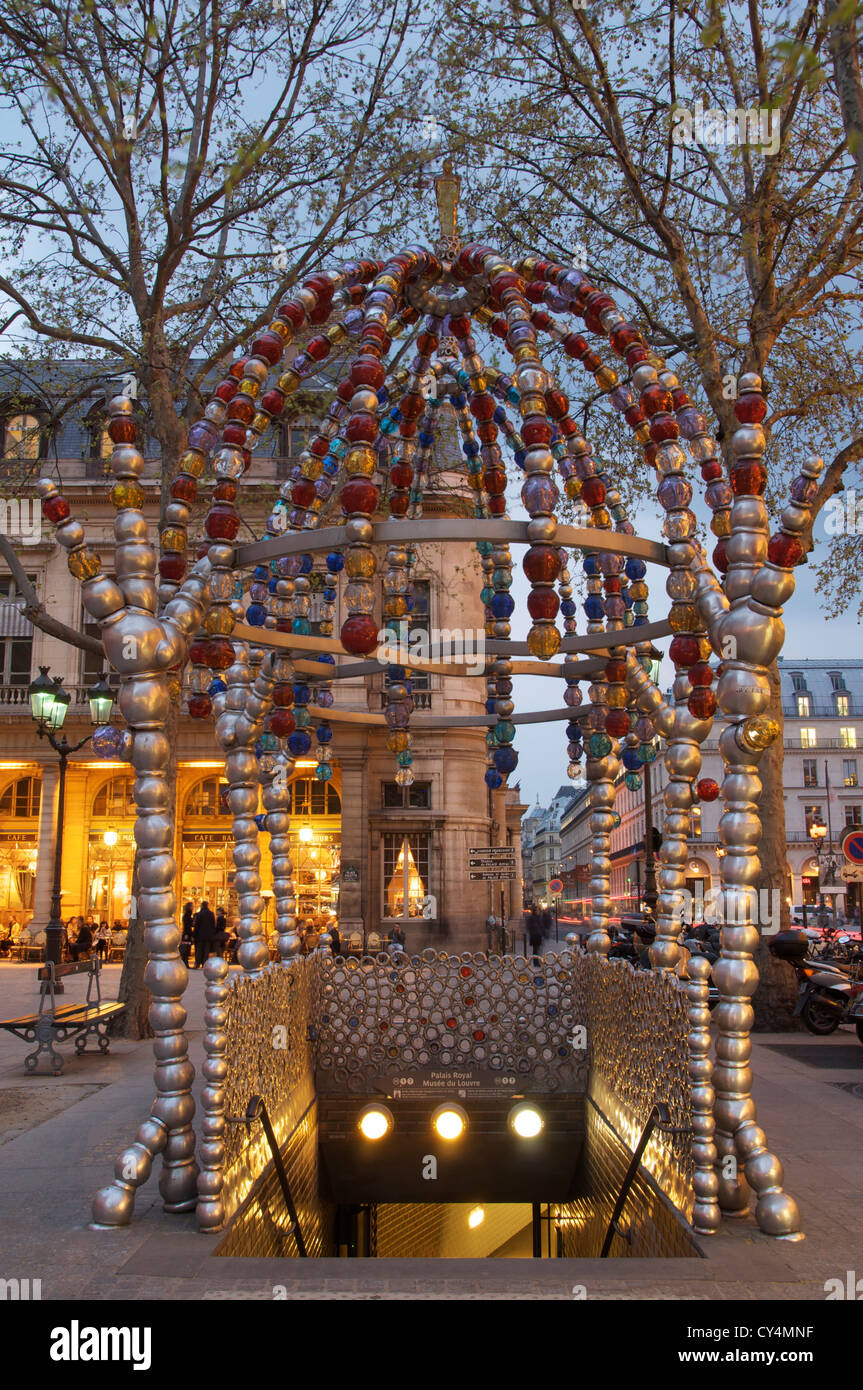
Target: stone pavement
59,1137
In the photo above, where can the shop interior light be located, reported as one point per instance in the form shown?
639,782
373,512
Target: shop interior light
306,833
526,1121
110,837
449,1121
476,1218
376,1121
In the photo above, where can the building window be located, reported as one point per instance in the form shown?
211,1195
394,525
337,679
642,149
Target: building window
797,681
208,798
810,772
849,772
814,816
295,438
696,823
114,799
852,815
843,705
848,737
16,635
21,799
100,445
837,680
406,875
416,796
417,620
808,737
309,797
24,438
803,707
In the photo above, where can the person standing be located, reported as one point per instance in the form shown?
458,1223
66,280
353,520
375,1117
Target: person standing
187,934
220,940
204,931
101,937
534,931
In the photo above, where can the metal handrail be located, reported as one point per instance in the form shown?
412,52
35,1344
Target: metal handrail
659,1118
257,1110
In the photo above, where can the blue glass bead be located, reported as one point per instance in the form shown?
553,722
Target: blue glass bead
635,569
630,759
470,447
502,605
491,706
396,673
591,565
269,743
216,687
405,759
302,627
335,562
323,771
108,741
395,413
567,608
299,743
302,694
646,752
499,415
573,731
260,574
505,759
493,778
458,399
520,455
329,595
324,733
594,607
599,745
633,781
256,615
426,440
388,425
261,821
484,547
486,594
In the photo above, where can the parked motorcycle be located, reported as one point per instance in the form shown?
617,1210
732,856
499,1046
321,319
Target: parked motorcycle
826,995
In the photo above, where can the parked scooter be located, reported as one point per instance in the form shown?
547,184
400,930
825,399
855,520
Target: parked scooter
826,996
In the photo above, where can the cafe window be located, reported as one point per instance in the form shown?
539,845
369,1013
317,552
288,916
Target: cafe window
848,737
406,875
22,798
309,797
208,798
810,772
115,798
417,796
808,738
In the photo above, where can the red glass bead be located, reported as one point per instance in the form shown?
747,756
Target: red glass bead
679,398
702,702
359,496
591,361
281,723
172,567
720,557
242,408
292,313
593,492
426,343
749,479
320,285
540,319
635,354
499,327
399,503
711,470
345,391
220,651
411,405
284,624
222,524
494,481
401,475
303,493
663,427
283,695
622,336
482,407
707,789
123,430
319,446
234,434
273,402
785,551
750,409
237,369
574,345
541,564
486,431
651,453
497,505
615,671
367,371
55,509
226,390
536,430
557,403
203,549
542,604
199,651
506,280
225,491
362,429
460,327
566,425
321,312
535,292
684,650
612,584
270,347
318,349
359,635
200,706
655,398
634,416
617,723
701,673
407,428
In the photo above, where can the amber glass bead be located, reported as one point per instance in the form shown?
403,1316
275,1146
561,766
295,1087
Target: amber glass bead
289,381
84,563
572,487
184,488
225,491
600,518
125,495
684,618
249,387
359,563
172,538
638,590
123,430
606,378
56,509
219,620
543,641
702,703
261,423
361,462
720,523
220,652
242,408
615,671
398,741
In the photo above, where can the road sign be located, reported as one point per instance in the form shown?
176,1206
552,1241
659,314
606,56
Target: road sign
494,851
491,875
555,886
852,873
477,861
852,844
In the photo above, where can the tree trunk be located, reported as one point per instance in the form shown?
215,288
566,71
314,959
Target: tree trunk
777,991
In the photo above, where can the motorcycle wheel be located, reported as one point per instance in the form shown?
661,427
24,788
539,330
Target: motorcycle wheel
819,1018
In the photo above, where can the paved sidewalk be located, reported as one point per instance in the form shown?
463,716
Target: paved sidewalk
56,1153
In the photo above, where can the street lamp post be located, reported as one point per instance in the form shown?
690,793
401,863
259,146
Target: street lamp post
817,833
49,703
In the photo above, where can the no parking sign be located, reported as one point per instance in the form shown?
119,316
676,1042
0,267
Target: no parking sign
852,844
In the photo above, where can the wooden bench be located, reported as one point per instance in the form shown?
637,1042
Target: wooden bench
54,1022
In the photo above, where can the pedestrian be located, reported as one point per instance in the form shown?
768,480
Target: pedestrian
220,940
545,923
82,942
101,937
187,934
204,929
336,940
534,931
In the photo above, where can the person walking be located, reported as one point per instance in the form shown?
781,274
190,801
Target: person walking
204,931
220,940
187,935
534,931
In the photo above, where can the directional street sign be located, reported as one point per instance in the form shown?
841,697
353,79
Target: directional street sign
479,861
491,875
494,851
852,873
852,844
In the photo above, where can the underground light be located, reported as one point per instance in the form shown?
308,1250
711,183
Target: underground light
375,1122
449,1121
526,1121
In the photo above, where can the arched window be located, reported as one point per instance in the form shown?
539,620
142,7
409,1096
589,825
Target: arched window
22,798
309,797
99,444
115,799
25,436
208,798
